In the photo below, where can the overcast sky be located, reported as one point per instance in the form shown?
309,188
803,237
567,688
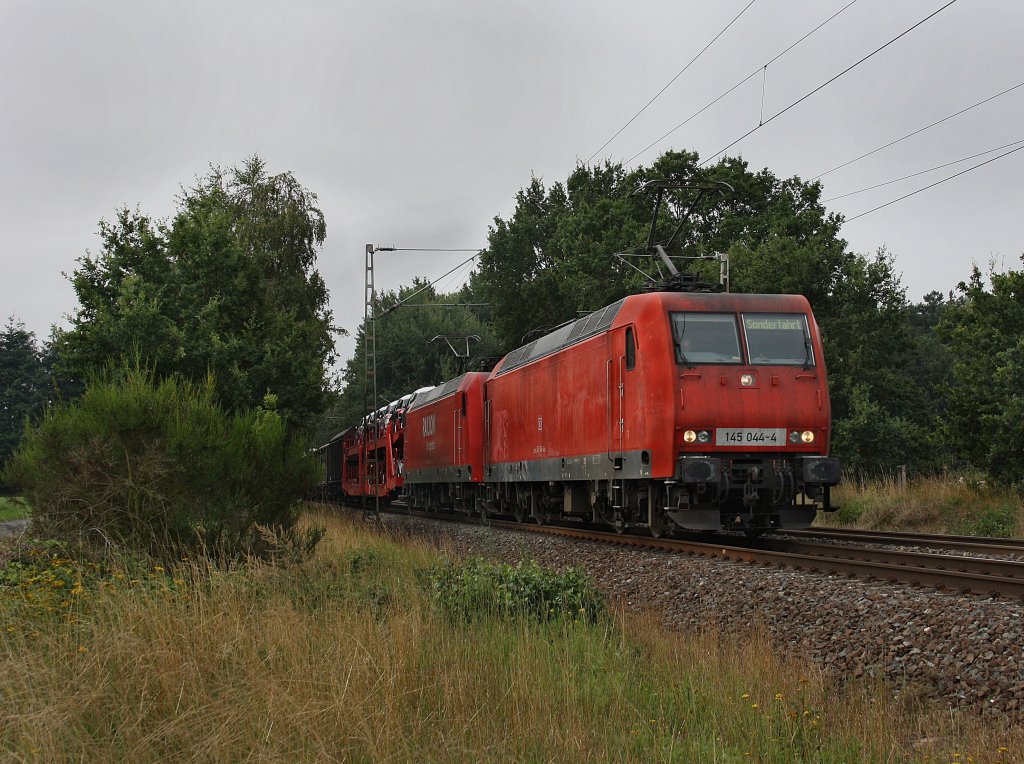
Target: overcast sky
417,122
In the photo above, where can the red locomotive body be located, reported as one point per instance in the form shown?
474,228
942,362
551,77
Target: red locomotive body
445,443
700,410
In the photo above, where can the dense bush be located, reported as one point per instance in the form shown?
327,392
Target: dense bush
158,466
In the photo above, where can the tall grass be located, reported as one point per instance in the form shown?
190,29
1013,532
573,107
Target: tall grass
957,504
350,657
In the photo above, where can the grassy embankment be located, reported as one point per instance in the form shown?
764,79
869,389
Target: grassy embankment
354,656
951,505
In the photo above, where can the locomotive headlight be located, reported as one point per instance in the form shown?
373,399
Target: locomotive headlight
690,436
703,436
746,380
794,437
807,436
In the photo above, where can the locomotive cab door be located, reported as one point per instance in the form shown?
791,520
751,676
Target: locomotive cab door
621,363
458,415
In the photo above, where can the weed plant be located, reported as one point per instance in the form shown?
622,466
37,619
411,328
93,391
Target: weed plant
352,656
474,589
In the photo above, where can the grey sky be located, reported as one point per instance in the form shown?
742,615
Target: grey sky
416,123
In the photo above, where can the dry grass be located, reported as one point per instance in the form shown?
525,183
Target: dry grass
947,504
345,659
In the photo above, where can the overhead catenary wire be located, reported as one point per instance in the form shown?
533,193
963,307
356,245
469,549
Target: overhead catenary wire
763,70
924,172
456,277
919,130
933,185
829,81
669,83
429,284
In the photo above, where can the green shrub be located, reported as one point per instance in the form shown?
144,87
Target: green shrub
476,588
159,467
993,521
849,511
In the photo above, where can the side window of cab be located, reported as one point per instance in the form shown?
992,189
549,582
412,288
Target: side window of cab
630,349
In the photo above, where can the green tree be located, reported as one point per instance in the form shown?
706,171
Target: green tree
982,328
408,355
227,287
24,384
556,257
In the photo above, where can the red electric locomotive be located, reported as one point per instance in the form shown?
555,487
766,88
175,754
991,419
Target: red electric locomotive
444,453
691,409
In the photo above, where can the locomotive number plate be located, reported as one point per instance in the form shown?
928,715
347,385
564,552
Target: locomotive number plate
740,436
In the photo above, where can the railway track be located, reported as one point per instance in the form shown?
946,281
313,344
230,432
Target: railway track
969,544
831,554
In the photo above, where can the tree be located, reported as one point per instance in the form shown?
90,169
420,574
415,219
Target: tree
408,357
556,256
982,328
24,384
228,287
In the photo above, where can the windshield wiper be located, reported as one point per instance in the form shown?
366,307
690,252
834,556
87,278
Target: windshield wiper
807,353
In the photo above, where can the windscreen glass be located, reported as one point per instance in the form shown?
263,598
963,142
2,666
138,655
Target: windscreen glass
778,339
706,338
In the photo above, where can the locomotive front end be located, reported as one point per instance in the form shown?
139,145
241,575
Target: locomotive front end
753,423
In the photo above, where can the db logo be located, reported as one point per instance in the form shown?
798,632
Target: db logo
429,425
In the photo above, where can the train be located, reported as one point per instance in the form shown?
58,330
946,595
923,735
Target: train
665,411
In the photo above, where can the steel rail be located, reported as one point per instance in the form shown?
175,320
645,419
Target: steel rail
981,544
981,566
823,558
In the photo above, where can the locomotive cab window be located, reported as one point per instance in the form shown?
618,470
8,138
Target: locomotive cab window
630,350
780,339
706,338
